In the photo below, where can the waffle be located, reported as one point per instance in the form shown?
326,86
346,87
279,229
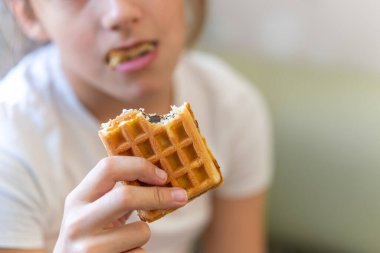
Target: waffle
172,142
119,56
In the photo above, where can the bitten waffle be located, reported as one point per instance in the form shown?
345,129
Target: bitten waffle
172,142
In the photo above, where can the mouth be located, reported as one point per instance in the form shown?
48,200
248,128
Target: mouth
123,55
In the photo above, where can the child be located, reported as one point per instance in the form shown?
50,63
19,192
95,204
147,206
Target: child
56,184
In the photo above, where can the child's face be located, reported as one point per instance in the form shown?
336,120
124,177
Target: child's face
86,31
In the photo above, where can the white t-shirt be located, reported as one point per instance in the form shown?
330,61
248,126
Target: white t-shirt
49,142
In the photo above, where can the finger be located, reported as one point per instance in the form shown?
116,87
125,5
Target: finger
126,198
138,250
122,239
119,222
103,177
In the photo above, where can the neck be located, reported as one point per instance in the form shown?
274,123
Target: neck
104,106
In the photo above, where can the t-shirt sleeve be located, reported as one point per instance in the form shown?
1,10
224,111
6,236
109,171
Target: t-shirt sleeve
21,216
250,145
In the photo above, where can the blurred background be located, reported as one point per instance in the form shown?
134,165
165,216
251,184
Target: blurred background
13,44
318,65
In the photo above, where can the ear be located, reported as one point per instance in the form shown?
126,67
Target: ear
27,20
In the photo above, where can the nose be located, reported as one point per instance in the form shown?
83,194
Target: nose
121,14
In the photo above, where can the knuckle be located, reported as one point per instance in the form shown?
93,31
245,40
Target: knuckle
69,200
107,165
83,247
158,195
106,162
141,163
73,227
124,195
144,231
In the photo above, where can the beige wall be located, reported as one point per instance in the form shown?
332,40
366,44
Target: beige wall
321,31
12,43
331,32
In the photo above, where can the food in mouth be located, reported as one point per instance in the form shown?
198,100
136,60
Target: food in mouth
120,56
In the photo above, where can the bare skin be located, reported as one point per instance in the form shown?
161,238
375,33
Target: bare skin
94,219
89,223
238,226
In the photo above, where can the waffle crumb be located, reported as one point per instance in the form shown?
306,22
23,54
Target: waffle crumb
172,142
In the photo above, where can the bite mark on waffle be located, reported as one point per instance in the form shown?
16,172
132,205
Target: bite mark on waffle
172,142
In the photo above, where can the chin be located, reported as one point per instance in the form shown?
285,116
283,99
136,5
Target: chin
152,89
141,92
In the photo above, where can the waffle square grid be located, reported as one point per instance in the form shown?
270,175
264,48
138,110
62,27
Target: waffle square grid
177,147
170,149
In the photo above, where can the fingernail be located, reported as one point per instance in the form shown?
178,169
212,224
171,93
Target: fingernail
161,174
179,195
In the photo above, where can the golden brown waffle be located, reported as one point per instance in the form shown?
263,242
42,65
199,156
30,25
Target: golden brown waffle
172,142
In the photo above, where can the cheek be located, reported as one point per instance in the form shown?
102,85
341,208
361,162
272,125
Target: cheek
75,49
169,16
78,42
72,26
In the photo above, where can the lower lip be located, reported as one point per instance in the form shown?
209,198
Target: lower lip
137,64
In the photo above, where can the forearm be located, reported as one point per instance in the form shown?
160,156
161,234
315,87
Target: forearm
20,251
237,226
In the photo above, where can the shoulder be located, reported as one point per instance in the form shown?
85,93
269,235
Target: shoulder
224,86
26,82
214,69
24,96
236,121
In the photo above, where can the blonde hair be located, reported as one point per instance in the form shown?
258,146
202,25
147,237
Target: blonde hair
14,44
198,14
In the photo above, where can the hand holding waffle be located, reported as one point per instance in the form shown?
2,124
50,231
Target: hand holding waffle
172,142
90,209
